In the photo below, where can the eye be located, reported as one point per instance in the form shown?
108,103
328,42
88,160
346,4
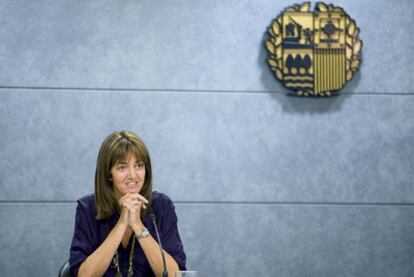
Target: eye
122,167
140,165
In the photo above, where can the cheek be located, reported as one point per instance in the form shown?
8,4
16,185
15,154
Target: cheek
118,185
118,179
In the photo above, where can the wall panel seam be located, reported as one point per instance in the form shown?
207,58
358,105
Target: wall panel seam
234,203
166,90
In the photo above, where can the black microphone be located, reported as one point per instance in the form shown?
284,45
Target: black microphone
153,218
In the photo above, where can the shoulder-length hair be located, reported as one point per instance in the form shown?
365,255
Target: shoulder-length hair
116,147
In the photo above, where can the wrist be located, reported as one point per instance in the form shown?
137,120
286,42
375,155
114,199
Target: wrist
122,225
138,228
142,234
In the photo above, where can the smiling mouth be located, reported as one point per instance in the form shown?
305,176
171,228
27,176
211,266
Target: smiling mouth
131,184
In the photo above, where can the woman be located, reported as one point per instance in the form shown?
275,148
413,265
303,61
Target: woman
114,233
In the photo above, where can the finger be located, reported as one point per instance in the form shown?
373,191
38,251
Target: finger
130,195
122,199
135,212
122,204
129,206
141,198
132,199
134,206
140,204
135,202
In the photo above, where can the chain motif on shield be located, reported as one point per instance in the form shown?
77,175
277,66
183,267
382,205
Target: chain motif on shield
314,53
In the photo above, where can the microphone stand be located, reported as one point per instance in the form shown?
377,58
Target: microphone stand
164,273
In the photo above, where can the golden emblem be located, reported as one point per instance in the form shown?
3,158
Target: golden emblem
314,53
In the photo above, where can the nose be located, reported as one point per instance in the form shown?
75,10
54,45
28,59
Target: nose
131,172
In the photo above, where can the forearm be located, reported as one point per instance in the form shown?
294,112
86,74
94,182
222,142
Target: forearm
151,250
98,262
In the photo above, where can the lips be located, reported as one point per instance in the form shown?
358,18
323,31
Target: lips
131,184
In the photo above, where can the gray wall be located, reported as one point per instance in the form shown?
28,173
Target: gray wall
264,184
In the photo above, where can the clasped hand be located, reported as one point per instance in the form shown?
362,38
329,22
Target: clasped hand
131,205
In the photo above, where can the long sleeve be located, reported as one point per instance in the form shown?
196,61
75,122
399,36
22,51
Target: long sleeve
170,237
83,242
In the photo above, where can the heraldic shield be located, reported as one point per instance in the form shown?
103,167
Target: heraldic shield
314,53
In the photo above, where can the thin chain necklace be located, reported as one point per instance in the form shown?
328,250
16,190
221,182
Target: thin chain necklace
131,258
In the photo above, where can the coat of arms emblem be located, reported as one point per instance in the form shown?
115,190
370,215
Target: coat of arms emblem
314,53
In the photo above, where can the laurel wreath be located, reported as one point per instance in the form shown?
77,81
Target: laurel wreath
352,49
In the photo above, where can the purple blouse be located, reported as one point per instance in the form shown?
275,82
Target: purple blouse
90,233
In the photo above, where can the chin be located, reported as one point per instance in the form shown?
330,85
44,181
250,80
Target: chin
132,190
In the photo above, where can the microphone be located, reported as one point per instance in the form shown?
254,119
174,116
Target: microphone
153,218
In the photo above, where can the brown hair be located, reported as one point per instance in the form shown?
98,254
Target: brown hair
115,148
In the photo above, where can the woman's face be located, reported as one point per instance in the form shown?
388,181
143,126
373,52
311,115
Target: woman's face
128,176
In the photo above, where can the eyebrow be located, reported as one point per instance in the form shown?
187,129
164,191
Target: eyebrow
125,162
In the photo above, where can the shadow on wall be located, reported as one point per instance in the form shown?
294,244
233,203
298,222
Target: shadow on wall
296,104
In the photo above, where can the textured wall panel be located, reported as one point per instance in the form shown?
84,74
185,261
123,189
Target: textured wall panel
213,147
236,240
35,238
181,44
297,241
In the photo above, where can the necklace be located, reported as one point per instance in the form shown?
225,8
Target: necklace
131,258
